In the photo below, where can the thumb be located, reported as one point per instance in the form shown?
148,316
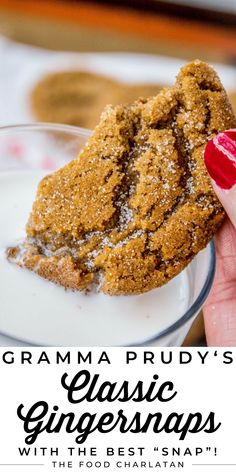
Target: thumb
220,160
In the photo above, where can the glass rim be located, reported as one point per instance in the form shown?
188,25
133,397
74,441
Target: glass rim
41,126
197,304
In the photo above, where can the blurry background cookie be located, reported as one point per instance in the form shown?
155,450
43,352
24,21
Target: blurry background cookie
232,97
78,97
129,93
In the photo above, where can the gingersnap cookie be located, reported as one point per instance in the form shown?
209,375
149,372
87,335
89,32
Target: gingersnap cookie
78,97
129,93
71,97
232,98
137,204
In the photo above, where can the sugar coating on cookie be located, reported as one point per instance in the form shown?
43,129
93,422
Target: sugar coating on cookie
137,204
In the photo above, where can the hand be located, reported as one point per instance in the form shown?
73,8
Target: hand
220,307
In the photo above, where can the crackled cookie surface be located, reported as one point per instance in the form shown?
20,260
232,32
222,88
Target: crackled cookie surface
135,207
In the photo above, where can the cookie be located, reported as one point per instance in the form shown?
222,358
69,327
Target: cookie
78,98
137,205
232,98
129,93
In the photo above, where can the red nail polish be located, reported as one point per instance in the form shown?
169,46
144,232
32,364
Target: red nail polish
220,159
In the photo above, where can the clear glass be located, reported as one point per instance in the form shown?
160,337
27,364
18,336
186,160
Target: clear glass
47,147
40,146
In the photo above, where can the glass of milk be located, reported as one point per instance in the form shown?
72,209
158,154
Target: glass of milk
35,311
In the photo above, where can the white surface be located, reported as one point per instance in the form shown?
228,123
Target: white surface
22,66
40,312
228,6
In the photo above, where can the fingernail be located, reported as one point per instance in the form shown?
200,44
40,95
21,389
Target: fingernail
220,159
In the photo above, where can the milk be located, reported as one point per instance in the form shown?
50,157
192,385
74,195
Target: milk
39,312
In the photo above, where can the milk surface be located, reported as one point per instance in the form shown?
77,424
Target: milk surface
37,311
